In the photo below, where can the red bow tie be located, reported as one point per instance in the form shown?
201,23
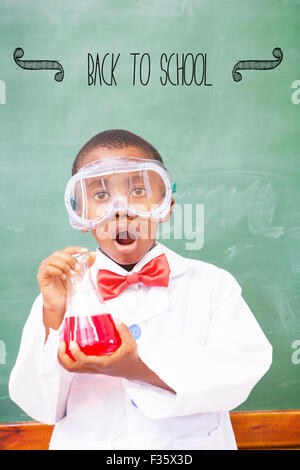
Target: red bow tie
155,273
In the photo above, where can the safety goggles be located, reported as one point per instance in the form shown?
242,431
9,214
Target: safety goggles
137,186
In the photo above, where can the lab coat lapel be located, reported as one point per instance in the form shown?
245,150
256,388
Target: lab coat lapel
154,300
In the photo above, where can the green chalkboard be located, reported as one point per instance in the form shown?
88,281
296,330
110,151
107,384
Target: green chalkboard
231,146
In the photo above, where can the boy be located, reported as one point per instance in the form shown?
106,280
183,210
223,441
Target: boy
191,349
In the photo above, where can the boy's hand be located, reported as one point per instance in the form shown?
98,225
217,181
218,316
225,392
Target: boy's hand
124,362
121,363
52,277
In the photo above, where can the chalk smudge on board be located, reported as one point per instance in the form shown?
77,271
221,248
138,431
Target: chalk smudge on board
2,352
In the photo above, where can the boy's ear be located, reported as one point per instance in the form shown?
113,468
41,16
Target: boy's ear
165,219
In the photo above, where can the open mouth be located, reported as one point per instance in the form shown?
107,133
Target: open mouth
125,238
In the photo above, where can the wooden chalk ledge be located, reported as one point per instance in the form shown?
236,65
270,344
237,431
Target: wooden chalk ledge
253,430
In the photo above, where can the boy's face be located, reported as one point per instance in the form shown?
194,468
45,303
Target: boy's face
113,236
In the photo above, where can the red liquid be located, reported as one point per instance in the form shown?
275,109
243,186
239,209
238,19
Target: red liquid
96,335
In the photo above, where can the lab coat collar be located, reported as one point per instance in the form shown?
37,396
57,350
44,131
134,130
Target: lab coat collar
178,264
155,299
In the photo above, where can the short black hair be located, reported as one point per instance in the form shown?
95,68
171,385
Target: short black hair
114,139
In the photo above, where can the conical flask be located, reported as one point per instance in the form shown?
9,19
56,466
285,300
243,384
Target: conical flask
87,320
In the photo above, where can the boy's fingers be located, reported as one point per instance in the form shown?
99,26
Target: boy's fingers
76,353
82,362
63,256
92,257
72,260
64,261
62,347
57,262
49,272
65,359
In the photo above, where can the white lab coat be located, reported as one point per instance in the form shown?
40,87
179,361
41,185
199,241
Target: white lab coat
198,335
